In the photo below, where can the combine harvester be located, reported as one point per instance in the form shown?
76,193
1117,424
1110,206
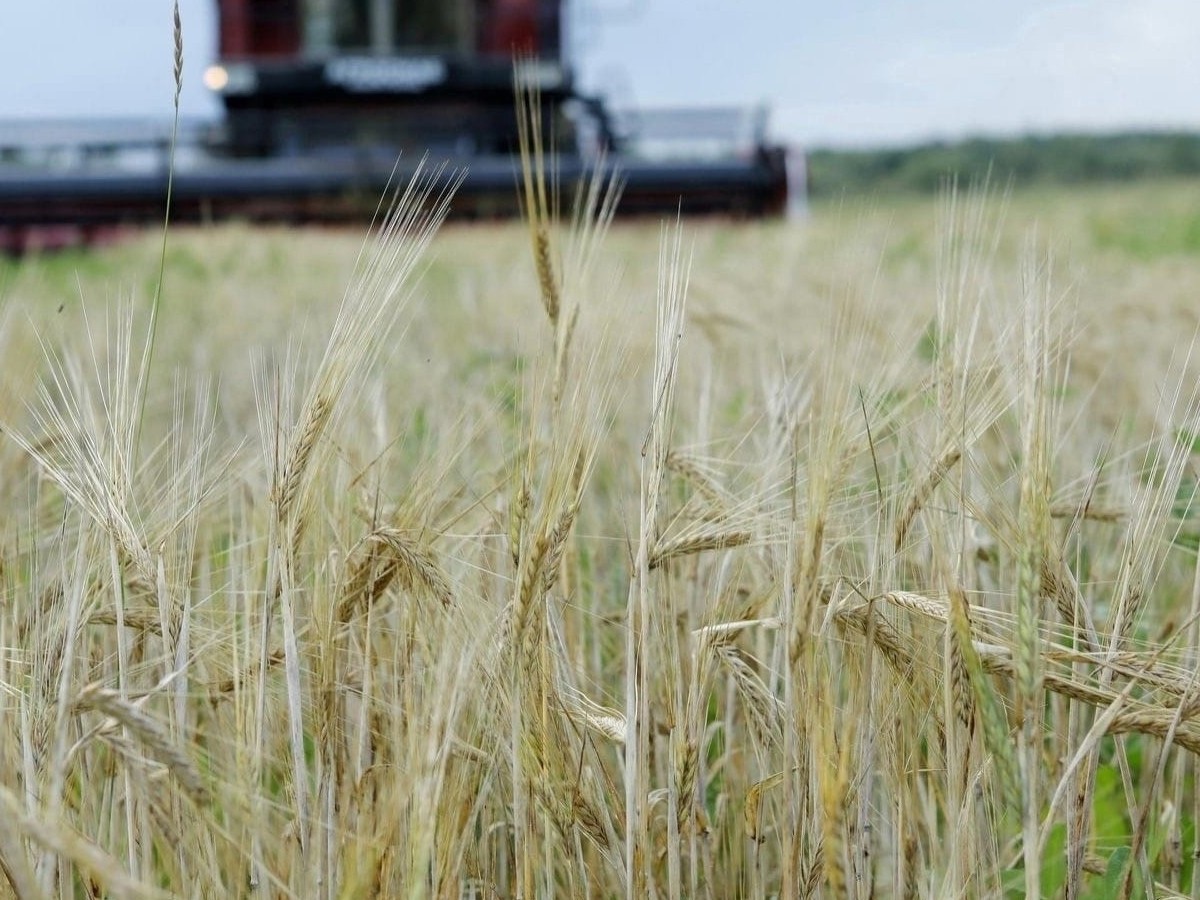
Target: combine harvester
322,97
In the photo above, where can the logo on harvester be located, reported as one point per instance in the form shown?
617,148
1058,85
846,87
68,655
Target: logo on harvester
362,74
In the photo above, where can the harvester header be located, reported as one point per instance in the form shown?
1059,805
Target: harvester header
321,97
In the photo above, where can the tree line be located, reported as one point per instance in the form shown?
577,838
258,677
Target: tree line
1058,159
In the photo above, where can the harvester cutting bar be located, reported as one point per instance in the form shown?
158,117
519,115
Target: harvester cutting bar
299,190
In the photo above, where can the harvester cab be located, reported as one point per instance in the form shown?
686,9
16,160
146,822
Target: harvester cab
361,78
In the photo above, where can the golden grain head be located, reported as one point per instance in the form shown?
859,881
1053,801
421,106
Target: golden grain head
482,608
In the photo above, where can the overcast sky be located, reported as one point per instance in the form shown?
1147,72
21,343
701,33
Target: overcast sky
845,72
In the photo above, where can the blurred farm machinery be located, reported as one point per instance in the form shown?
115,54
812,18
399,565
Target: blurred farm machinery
322,96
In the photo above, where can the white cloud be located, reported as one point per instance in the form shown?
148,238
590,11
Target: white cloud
1085,64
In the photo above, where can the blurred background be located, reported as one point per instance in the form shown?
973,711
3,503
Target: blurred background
851,74
296,110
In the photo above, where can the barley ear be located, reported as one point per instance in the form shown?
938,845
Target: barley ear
178,53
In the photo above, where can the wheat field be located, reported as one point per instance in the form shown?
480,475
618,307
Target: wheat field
848,557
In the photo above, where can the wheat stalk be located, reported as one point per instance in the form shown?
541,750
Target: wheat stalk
152,735
75,847
691,544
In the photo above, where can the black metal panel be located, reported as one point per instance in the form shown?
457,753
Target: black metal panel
298,190
347,104
349,77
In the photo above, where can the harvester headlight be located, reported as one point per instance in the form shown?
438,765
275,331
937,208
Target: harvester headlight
232,78
216,78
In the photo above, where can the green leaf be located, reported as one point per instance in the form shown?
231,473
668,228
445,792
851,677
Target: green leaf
928,344
1190,437
1114,873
